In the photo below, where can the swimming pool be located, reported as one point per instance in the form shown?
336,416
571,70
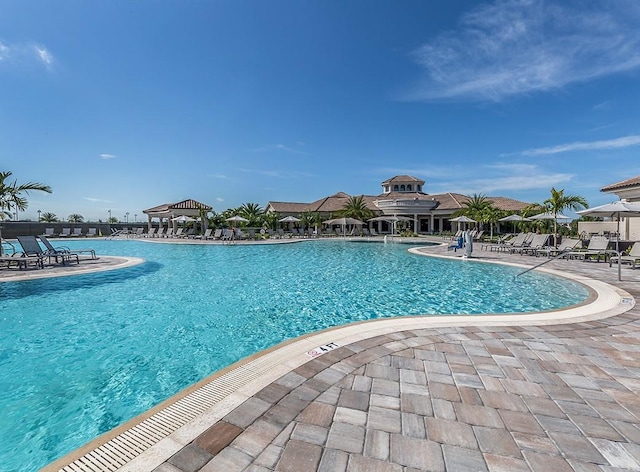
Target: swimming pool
80,355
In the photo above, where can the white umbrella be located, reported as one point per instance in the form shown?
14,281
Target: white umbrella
515,218
616,209
238,219
463,219
548,215
344,222
183,219
391,220
289,219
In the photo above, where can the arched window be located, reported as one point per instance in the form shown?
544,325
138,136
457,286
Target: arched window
409,189
402,188
418,188
395,188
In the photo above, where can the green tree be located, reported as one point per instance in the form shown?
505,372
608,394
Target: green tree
310,219
48,217
75,218
473,206
558,202
270,219
11,194
112,220
356,207
490,214
253,212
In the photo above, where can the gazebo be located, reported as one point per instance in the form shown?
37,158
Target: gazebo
171,211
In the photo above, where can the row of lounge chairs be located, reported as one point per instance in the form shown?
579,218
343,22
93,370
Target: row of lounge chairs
71,233
542,245
34,254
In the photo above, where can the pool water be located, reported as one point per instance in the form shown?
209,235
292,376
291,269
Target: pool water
80,355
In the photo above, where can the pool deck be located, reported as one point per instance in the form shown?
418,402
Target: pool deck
495,393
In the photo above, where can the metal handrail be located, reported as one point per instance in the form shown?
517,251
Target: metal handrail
560,254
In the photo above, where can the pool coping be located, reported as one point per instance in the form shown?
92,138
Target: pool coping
148,440
52,271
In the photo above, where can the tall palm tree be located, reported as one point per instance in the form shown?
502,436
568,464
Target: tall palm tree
11,194
356,207
473,206
558,202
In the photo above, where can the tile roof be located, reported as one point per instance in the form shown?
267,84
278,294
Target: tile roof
403,178
188,204
632,182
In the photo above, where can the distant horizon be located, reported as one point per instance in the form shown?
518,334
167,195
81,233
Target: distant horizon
125,106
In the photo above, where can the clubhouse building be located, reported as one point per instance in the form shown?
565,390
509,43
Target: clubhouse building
402,196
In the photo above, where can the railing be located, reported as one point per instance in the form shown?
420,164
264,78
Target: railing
560,254
415,203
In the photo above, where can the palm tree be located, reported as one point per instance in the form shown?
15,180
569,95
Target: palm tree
11,194
75,218
310,219
48,217
356,207
558,202
474,206
253,212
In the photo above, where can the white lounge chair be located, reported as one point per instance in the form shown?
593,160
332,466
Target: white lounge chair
597,247
631,258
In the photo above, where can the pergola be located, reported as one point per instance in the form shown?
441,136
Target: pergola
171,211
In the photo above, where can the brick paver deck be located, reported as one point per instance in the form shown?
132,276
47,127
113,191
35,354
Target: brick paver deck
541,398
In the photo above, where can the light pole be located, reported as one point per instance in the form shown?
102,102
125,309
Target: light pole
126,217
109,216
135,218
39,211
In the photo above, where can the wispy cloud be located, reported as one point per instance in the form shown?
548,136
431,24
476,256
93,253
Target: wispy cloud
279,174
514,47
107,156
281,147
219,199
25,53
91,199
218,176
624,142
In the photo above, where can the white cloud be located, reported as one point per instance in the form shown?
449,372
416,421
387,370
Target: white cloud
91,199
626,141
44,55
219,199
514,47
280,147
218,176
25,54
107,156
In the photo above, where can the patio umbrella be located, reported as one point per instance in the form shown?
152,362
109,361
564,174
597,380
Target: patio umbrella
515,218
548,215
344,222
289,219
183,219
238,219
463,219
392,220
616,209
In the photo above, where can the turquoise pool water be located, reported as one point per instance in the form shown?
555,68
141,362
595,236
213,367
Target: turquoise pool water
80,355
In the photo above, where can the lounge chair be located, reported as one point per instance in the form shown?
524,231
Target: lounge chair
90,233
567,245
151,233
206,235
169,233
30,247
518,240
66,232
21,260
49,232
139,232
64,250
631,258
597,247
160,233
537,242
217,234
373,232
77,232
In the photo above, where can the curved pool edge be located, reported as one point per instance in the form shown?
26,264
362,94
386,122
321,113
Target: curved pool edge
86,266
150,439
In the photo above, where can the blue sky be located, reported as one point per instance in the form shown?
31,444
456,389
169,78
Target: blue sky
125,105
